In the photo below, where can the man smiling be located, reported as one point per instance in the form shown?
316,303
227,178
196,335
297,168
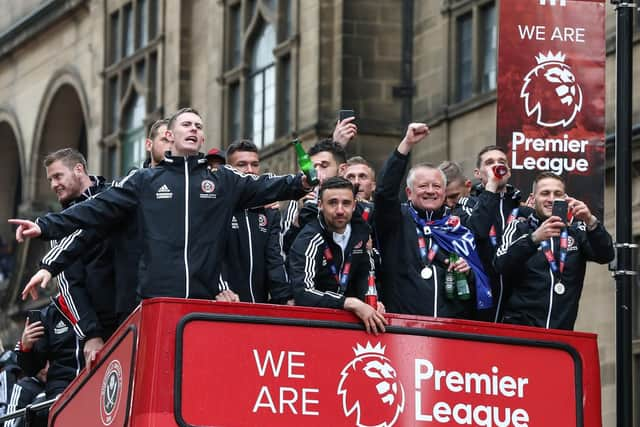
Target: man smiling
545,258
417,239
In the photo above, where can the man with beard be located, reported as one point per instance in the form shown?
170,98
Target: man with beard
329,264
417,238
545,258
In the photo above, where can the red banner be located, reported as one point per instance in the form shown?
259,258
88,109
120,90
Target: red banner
551,93
283,374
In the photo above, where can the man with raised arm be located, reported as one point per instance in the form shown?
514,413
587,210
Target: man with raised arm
417,239
183,210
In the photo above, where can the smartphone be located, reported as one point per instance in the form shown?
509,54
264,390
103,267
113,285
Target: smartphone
560,209
34,316
343,114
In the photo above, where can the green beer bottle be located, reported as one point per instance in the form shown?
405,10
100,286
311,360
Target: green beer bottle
305,164
462,286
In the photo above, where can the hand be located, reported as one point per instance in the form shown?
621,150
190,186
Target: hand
91,349
531,201
373,321
495,183
274,205
345,131
416,132
461,266
227,296
551,227
305,183
291,302
31,333
26,229
381,308
42,278
580,211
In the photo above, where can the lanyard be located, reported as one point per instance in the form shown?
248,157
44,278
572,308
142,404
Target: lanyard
421,230
548,253
492,231
342,279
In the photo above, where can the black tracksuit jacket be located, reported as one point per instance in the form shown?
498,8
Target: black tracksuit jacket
313,283
254,265
479,213
84,263
533,301
23,393
184,211
60,346
405,291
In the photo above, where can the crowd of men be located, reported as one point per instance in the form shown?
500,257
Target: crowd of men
191,225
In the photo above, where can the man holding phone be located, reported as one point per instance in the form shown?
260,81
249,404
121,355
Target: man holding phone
554,245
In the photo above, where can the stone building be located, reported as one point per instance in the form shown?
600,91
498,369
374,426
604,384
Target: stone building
94,74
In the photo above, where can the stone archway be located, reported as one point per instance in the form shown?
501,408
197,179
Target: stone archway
10,197
63,126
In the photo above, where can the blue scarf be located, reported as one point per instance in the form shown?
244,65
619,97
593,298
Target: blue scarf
452,236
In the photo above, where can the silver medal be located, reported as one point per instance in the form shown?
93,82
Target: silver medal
426,273
559,288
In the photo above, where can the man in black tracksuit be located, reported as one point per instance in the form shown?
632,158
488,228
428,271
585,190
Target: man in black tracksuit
546,294
86,282
487,213
184,232
124,238
412,285
329,264
254,264
10,373
51,339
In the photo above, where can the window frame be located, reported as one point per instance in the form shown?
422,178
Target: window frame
456,10
122,77
238,75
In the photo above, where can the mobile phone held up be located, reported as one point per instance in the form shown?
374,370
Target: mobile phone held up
559,209
344,114
34,316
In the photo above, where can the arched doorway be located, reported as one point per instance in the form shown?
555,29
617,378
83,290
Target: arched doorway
63,127
10,197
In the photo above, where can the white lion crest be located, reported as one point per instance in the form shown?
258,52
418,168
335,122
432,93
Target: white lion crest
550,91
370,380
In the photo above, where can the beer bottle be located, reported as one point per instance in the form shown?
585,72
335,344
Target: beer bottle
462,286
305,164
371,297
450,284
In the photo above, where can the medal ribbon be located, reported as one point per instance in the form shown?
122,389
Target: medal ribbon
342,279
492,231
426,257
556,267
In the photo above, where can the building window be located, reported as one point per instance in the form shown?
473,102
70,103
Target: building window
489,48
463,59
475,49
259,47
133,97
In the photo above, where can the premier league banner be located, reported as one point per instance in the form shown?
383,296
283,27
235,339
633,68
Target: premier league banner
551,93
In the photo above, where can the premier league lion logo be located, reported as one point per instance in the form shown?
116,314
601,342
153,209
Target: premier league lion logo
550,91
370,388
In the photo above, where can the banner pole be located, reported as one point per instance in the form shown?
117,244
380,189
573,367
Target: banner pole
624,246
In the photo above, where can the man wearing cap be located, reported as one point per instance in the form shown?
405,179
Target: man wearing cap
215,158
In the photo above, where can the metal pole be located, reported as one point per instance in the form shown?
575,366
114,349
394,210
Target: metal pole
624,269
